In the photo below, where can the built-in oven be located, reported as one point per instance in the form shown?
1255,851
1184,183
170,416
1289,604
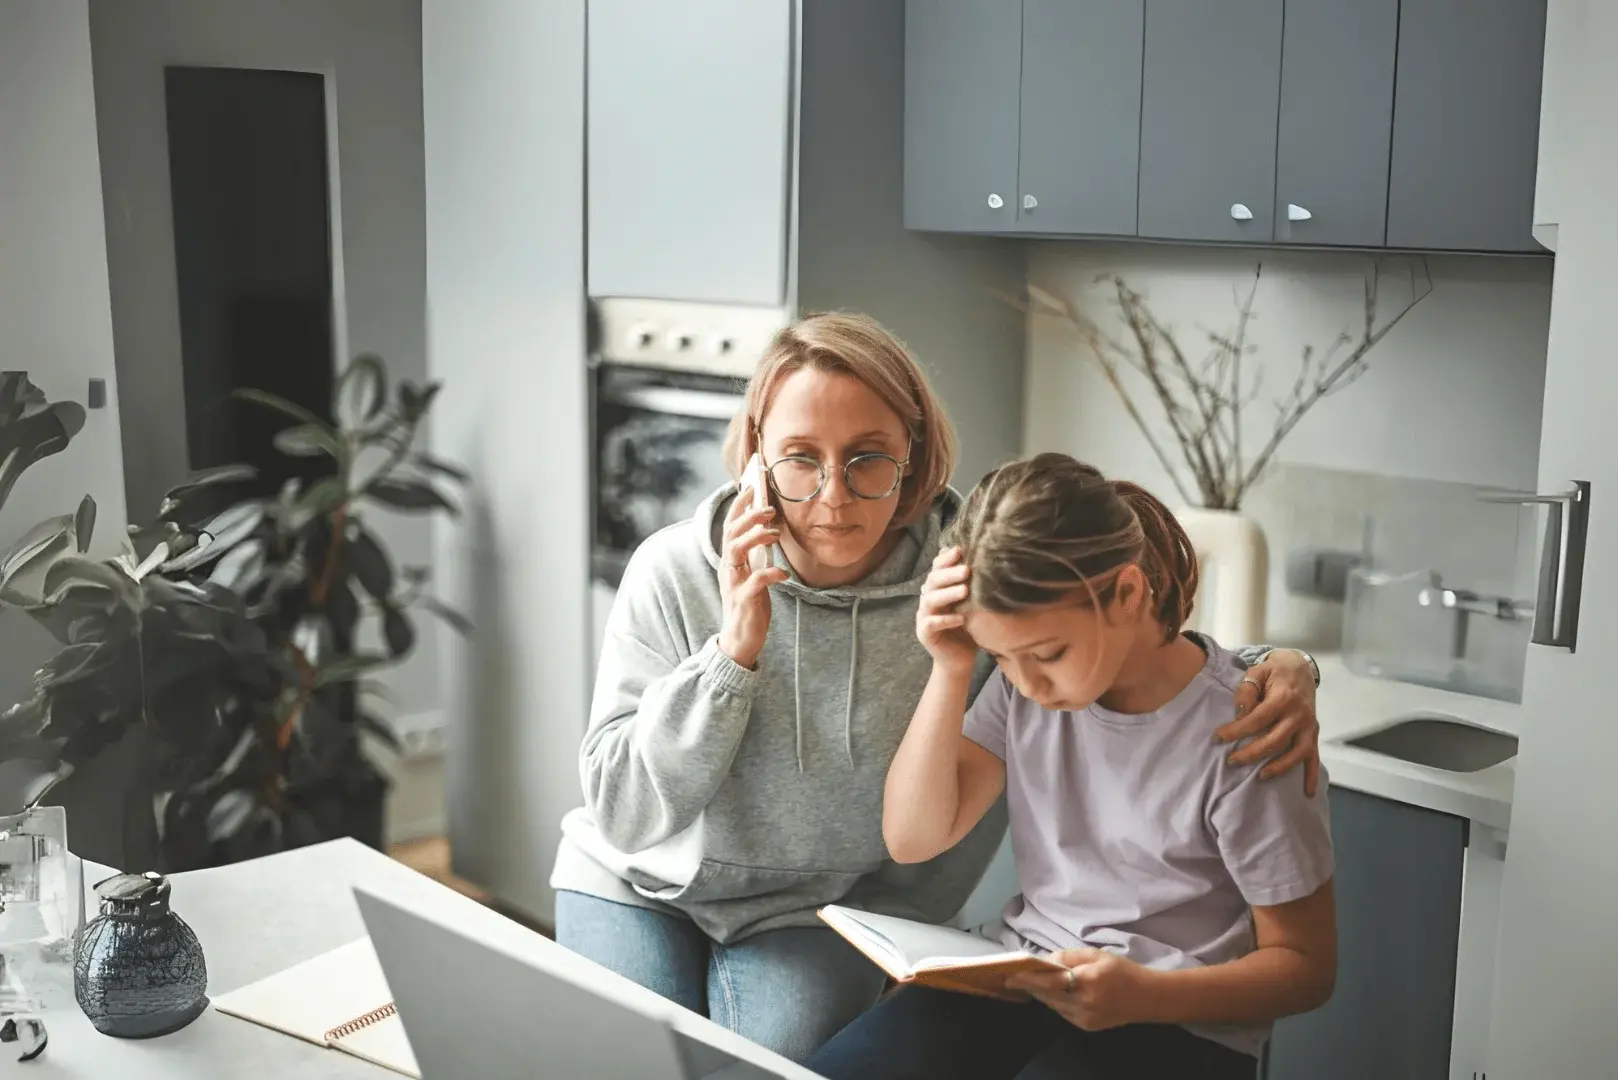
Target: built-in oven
666,380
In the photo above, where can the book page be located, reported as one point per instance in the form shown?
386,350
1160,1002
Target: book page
383,1043
310,999
918,946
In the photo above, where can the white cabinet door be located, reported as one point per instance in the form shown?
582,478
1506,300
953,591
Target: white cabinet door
688,142
1556,980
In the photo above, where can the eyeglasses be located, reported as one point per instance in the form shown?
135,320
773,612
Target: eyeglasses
869,476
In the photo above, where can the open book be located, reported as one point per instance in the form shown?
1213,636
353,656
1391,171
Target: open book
339,999
936,956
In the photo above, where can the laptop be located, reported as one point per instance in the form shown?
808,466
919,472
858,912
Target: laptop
481,996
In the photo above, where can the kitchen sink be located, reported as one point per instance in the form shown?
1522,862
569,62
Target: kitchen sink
1440,743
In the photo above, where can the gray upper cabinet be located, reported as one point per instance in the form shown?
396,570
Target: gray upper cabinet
688,149
1208,109
1080,124
1466,125
963,69
1336,122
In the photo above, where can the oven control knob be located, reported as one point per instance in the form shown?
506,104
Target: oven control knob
723,346
643,337
680,341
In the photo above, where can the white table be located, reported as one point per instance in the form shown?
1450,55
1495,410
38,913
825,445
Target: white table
257,918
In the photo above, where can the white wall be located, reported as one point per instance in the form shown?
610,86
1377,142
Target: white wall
503,96
55,321
1452,394
370,54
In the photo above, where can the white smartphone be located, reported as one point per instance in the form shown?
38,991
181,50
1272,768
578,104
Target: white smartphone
753,481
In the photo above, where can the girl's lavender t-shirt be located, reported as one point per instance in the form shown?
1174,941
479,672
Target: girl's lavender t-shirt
1133,834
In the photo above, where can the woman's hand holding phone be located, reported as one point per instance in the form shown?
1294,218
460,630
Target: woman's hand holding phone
747,573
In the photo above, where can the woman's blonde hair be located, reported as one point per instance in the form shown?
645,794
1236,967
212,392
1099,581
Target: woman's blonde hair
856,345
1037,531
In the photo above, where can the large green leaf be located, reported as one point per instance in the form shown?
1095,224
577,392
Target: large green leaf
32,429
454,618
370,565
308,440
241,568
345,668
84,523
77,570
34,541
24,582
398,630
282,405
362,389
431,464
411,495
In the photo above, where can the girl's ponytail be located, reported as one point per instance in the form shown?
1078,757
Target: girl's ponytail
1169,561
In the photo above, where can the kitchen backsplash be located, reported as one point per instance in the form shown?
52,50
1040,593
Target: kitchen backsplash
1403,526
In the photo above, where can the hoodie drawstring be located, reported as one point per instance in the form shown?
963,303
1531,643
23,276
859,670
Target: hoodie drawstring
797,683
853,663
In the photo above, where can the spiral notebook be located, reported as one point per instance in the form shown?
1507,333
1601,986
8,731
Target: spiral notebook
339,999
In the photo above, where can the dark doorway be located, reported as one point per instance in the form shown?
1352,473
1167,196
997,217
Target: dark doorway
252,247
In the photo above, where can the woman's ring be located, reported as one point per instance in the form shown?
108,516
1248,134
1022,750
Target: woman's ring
1071,976
1250,679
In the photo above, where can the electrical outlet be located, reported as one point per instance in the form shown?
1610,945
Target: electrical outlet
422,735
1320,573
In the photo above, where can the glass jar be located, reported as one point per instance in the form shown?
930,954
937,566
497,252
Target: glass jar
139,972
41,914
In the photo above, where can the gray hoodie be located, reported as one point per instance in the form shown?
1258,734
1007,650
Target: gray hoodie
748,799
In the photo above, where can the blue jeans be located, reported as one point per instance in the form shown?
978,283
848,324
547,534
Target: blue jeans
924,1034
787,990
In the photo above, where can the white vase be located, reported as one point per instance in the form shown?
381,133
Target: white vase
1234,562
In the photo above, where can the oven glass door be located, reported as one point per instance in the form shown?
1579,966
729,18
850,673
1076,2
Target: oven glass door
659,437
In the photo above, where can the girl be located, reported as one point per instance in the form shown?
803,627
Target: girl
1189,903
744,719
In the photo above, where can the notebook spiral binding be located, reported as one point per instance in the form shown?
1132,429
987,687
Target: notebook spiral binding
360,1023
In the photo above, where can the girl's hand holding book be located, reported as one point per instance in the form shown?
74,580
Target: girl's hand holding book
1099,989
940,625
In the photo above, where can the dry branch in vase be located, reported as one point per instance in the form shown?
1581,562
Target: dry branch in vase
1203,399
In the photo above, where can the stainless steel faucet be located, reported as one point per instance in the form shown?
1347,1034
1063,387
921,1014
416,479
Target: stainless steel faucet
1465,603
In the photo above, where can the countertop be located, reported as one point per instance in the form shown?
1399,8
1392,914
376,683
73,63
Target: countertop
259,917
1351,705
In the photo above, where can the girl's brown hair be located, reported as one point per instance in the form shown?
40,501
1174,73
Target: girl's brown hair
1036,531
856,345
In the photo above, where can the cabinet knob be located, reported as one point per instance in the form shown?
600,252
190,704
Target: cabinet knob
996,202
1240,212
1297,213
1029,202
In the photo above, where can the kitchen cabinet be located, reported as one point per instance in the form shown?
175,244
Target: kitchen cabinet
1336,122
1398,889
1406,124
1211,81
1079,151
688,142
1466,125
963,71
1022,115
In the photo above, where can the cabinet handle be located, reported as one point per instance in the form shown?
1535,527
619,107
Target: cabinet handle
1240,212
996,202
1029,202
1561,561
1297,213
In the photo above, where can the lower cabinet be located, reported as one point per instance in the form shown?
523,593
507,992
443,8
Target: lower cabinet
1398,888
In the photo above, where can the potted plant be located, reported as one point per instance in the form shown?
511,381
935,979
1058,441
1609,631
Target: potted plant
317,579
223,649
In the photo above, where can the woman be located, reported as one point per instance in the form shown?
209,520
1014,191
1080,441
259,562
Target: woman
744,721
